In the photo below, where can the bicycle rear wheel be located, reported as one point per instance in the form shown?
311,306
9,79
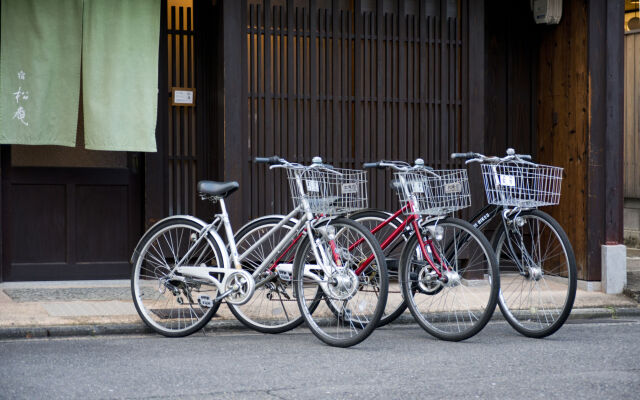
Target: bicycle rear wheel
537,274
370,219
174,305
353,304
459,304
273,307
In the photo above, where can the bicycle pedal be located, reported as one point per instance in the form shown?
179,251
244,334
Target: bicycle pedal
205,301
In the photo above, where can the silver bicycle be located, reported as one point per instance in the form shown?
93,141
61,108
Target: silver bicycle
182,269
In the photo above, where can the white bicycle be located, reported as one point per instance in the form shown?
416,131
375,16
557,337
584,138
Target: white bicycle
183,270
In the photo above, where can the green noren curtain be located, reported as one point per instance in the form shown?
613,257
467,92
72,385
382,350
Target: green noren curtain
120,74
40,49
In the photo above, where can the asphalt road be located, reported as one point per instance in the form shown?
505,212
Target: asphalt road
595,359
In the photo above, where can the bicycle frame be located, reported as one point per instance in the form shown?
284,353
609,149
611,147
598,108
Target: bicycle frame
303,225
413,221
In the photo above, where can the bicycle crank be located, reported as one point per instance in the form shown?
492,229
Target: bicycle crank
238,287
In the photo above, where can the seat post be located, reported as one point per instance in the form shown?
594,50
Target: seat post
229,232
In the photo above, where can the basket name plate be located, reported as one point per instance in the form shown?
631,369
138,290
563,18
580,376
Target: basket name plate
312,186
348,188
506,180
417,187
455,187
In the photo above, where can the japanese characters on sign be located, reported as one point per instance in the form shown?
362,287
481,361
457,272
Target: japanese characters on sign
21,96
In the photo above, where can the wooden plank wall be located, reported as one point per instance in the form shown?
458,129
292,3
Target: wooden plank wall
563,121
632,116
351,81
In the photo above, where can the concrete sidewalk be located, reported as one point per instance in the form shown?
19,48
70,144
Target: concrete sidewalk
80,308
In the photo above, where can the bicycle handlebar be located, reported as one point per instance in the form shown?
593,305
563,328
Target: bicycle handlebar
398,165
278,162
477,157
273,160
373,165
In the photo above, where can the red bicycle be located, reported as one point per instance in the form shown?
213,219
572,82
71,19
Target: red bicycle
441,267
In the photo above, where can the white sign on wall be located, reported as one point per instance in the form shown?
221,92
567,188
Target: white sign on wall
183,97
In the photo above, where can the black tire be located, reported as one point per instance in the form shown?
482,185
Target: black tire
371,219
536,304
273,307
460,308
170,307
359,300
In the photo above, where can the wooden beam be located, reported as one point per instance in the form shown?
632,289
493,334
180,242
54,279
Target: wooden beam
605,188
614,137
234,103
475,103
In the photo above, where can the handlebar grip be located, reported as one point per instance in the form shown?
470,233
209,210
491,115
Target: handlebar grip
371,165
267,160
463,155
525,156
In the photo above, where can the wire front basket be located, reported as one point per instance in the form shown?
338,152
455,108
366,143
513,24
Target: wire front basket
436,192
329,191
522,185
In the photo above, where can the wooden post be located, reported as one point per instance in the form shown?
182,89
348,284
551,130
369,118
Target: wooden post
475,99
614,134
605,188
234,100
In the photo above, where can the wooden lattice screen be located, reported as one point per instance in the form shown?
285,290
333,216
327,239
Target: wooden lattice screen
181,146
351,81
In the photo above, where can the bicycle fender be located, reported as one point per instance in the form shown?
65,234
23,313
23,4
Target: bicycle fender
215,235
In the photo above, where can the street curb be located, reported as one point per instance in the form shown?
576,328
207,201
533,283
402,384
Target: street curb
34,332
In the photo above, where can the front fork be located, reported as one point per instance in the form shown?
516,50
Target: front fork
512,221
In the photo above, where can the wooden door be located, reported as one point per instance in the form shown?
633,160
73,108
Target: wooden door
68,213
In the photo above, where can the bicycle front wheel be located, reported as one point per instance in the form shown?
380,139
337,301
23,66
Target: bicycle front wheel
537,274
273,307
456,299
353,301
174,305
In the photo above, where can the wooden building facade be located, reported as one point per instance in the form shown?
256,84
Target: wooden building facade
352,81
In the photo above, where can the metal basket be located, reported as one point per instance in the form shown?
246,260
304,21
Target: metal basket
522,185
436,192
329,191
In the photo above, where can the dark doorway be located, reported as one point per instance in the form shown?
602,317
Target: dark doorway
68,213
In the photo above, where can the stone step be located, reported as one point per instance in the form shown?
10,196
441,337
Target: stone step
633,252
633,264
633,285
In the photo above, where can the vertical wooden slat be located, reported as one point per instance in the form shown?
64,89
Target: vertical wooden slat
402,75
336,84
172,117
268,105
291,75
358,65
379,93
259,205
313,78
